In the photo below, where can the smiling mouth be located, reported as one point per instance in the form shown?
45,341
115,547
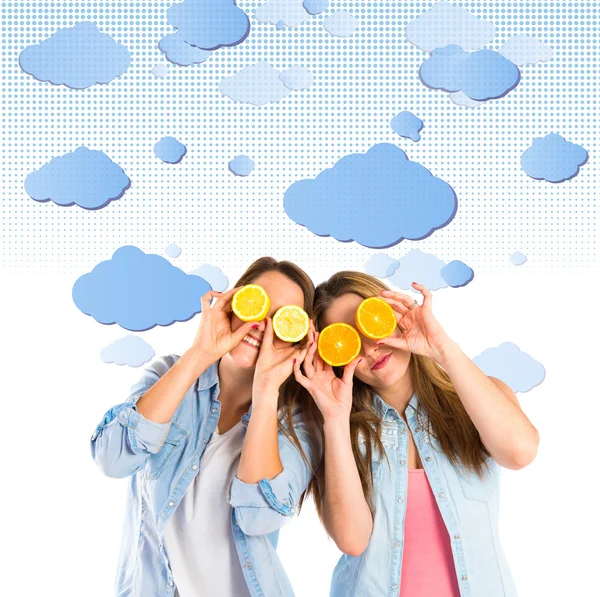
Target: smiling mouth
251,341
382,362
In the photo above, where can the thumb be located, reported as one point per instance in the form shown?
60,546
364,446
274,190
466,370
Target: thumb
242,331
349,371
393,342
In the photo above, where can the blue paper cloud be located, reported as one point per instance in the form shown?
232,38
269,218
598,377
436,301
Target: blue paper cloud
340,24
213,275
518,258
290,12
462,99
297,78
481,75
169,150
177,51
522,49
421,267
457,274
130,350
552,158
256,84
209,24
172,251
381,265
280,25
406,124
241,165
315,7
446,24
83,177
377,199
161,70
78,57
138,291
511,365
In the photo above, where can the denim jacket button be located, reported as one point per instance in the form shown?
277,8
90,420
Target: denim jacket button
427,458
170,583
248,565
457,536
171,504
194,467
441,494
292,510
396,543
403,462
213,410
464,577
400,500
394,587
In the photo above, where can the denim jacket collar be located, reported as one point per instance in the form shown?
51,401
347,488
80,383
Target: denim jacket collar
382,407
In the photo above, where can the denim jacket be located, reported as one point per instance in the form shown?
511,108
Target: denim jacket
161,460
468,505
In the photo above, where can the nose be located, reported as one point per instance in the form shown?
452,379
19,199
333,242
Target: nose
369,347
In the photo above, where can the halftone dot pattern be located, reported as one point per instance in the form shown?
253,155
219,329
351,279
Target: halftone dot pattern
360,83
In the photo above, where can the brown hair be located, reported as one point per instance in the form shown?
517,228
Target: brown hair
293,398
447,418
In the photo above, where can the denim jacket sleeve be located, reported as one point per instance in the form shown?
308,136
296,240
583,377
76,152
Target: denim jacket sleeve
124,439
263,507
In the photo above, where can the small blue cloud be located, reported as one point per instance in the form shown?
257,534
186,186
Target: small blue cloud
512,366
457,274
290,12
421,267
340,24
213,275
315,7
77,57
522,49
518,258
256,84
209,24
169,150
297,78
376,199
480,75
138,291
280,26
241,165
177,51
83,177
446,24
173,251
552,158
130,350
381,265
161,70
406,124
462,99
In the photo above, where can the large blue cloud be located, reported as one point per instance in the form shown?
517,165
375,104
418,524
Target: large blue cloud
138,291
209,24
77,57
377,199
514,367
481,75
84,177
552,158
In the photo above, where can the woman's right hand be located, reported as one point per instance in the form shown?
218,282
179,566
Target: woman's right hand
215,337
332,395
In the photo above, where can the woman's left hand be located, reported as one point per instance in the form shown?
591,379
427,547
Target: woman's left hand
421,332
275,363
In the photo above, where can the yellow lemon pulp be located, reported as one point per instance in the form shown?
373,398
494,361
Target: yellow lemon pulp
339,344
251,303
290,323
375,318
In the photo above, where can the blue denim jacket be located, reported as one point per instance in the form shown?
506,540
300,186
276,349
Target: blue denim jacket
468,505
161,460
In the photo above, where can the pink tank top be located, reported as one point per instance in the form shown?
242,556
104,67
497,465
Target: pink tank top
427,563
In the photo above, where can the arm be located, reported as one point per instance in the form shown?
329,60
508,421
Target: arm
346,513
504,428
505,431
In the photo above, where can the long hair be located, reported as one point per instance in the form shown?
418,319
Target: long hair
447,419
293,398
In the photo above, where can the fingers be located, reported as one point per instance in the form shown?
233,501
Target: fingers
242,331
309,365
393,342
268,335
427,296
298,375
207,297
349,371
399,303
224,299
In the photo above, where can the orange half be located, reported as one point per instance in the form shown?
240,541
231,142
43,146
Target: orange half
375,318
339,344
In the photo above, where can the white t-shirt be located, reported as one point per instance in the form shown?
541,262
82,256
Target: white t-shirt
198,538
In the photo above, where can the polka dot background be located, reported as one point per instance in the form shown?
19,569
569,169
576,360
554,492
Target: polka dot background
360,83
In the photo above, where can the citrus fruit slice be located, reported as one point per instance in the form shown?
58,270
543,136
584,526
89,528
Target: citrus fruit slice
290,323
339,344
251,303
375,318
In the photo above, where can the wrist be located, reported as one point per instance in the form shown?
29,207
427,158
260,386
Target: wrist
337,425
198,358
446,351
